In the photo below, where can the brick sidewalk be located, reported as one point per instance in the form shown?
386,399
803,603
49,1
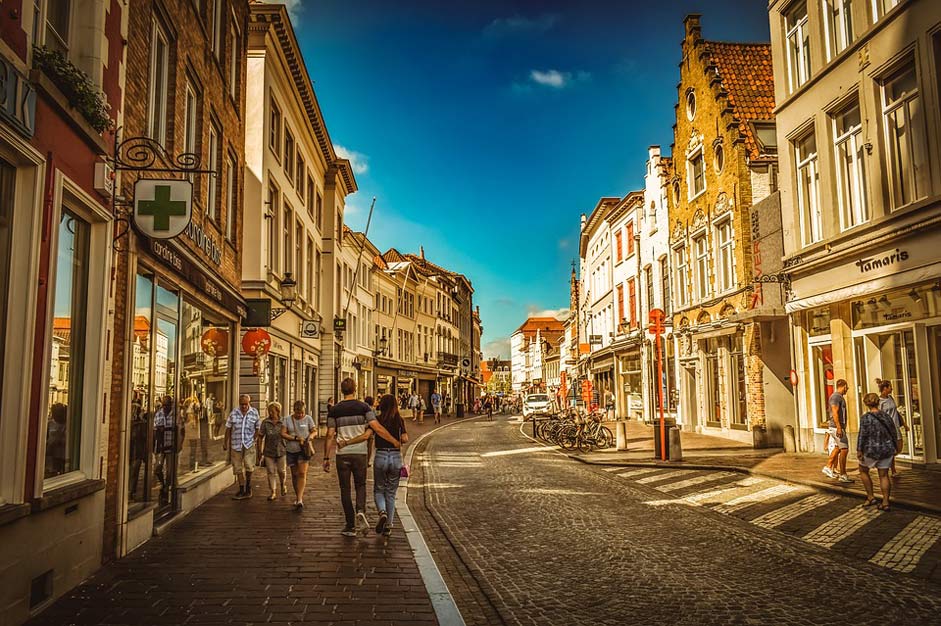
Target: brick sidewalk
916,487
287,567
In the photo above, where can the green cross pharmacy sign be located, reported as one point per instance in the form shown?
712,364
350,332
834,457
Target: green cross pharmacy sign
162,208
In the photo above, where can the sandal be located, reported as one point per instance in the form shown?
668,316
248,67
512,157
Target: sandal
884,507
870,502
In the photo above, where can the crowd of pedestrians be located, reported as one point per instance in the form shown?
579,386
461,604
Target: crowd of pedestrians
353,430
878,442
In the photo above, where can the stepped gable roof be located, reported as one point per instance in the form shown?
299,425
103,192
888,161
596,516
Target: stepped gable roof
745,71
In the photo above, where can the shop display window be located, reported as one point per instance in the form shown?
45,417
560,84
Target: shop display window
902,305
204,390
142,407
822,368
67,352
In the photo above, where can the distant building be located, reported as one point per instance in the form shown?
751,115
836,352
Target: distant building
529,346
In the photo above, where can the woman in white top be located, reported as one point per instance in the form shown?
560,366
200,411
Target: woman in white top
298,429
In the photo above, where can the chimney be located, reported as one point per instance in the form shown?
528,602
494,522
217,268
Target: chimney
421,252
691,22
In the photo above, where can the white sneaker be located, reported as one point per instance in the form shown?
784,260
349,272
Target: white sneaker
362,524
844,479
829,473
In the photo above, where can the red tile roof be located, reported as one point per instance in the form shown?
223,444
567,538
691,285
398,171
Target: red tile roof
747,77
543,324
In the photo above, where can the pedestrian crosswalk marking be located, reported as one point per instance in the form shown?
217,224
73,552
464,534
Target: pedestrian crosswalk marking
659,477
903,552
730,491
638,472
764,495
775,518
698,480
829,533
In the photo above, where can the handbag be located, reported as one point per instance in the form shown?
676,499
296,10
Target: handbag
307,448
403,472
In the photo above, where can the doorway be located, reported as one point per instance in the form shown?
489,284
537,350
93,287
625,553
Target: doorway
891,356
690,403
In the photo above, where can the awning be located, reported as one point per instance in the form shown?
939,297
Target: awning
894,281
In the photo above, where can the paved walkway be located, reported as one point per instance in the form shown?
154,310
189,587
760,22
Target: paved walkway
916,487
526,536
259,562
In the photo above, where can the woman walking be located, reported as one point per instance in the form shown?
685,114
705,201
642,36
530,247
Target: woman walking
299,434
273,450
888,406
877,443
387,467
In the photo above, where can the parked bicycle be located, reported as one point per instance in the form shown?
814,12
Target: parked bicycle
575,430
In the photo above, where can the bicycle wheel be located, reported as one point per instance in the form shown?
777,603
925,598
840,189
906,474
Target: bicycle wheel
607,438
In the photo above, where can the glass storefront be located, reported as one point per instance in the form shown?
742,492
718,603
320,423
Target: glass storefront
277,380
67,353
180,373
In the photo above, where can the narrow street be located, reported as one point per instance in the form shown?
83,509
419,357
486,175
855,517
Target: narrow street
525,535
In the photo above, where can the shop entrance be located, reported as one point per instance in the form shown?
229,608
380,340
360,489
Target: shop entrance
690,401
891,356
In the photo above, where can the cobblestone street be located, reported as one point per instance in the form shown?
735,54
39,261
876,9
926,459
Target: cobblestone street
525,535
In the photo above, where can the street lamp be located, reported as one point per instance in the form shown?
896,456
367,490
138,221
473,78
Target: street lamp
382,345
288,295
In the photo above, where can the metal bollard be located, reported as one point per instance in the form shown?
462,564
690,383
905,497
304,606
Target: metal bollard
790,442
621,434
676,445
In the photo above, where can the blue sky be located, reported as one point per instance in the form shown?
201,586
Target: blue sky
486,128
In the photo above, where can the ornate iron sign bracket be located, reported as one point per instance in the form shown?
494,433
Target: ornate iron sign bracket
144,154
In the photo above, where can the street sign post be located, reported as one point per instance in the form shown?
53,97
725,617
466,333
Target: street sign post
656,328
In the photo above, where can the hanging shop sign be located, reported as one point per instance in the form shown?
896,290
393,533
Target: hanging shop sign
162,208
17,100
256,342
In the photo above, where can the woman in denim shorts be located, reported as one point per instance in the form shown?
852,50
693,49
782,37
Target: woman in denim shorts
298,428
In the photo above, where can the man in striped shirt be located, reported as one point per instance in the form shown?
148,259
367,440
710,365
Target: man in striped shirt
242,429
347,425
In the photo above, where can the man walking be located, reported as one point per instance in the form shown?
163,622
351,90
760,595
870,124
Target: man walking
436,405
347,423
839,442
242,429
414,404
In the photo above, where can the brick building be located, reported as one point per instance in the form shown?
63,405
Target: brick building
56,225
177,301
730,332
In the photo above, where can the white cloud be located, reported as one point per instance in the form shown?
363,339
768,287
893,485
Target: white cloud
556,79
499,348
294,8
559,314
517,25
358,160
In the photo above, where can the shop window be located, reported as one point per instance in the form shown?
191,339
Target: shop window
808,188
67,351
839,26
905,138
142,408
204,390
850,166
798,45
168,425
824,383
739,417
7,189
818,322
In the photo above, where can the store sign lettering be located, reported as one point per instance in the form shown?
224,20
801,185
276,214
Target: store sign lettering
17,100
204,242
868,264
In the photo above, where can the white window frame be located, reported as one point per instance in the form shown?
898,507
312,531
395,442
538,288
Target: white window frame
726,279
190,121
917,180
851,170
216,27
680,276
63,40
701,284
811,216
797,44
275,127
696,155
212,199
231,167
838,24
233,61
157,110
879,8
96,363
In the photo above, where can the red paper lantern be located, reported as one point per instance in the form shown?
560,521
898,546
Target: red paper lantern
255,343
215,342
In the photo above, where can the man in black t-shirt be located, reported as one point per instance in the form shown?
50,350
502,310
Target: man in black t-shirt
346,431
